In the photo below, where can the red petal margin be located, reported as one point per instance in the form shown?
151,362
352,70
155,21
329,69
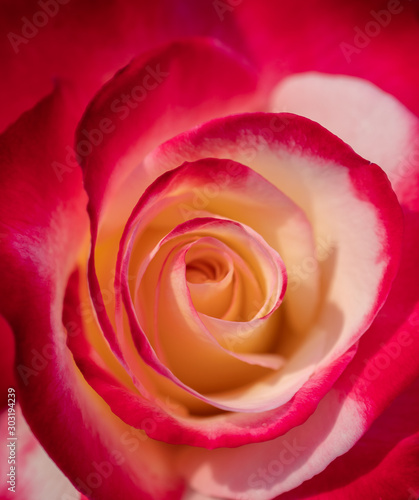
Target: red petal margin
160,94
383,463
43,224
42,207
370,39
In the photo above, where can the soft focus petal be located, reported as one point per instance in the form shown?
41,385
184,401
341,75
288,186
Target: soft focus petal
43,220
263,470
367,39
383,464
37,476
383,130
86,43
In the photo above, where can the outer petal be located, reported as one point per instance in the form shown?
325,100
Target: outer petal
389,135
85,43
344,38
261,471
153,99
38,478
382,464
39,210
45,223
374,123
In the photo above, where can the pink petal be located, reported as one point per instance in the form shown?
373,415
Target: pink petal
37,476
43,210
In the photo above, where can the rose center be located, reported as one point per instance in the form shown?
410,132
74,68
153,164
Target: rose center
209,273
205,265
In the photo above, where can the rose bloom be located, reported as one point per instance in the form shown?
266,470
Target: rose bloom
210,229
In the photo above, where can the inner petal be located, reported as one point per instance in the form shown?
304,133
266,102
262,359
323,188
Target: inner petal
210,277
173,202
180,345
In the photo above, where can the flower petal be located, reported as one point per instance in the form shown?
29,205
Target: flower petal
370,40
85,44
152,99
342,196
37,476
384,364
40,208
382,464
262,471
45,224
374,123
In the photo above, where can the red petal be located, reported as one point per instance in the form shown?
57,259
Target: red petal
344,38
86,43
382,464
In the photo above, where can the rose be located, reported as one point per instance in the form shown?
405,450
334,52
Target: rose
268,473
